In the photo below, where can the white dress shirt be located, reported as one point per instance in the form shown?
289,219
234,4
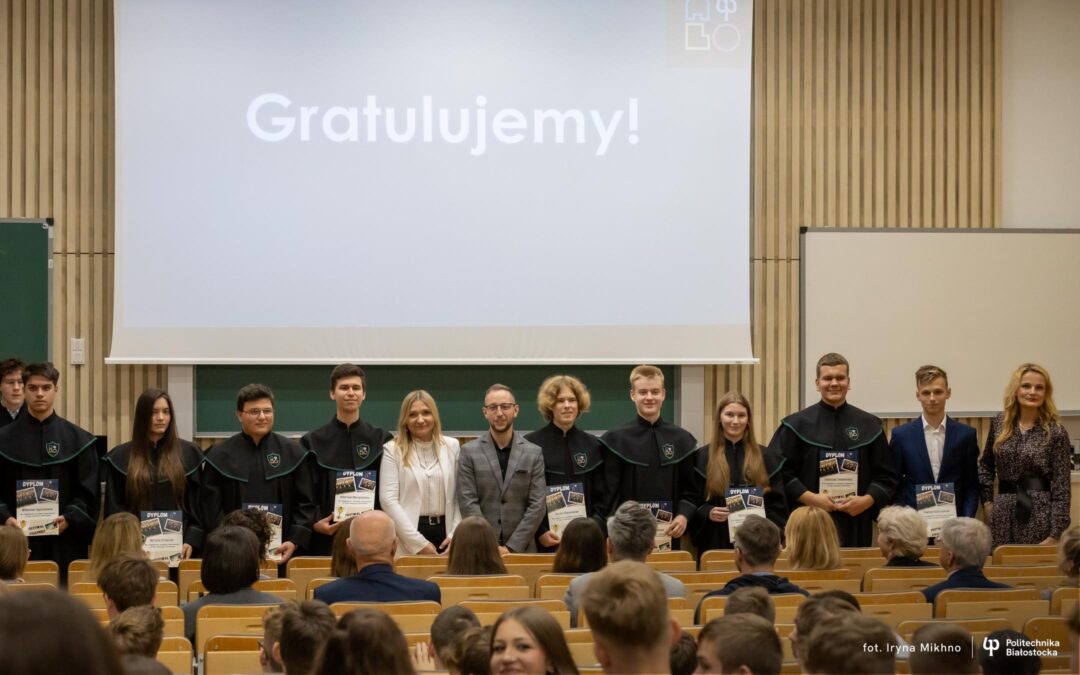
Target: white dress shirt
935,444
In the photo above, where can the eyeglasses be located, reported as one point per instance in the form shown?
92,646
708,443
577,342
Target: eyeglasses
260,412
496,407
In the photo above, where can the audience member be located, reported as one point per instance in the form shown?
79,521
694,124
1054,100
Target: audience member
270,658
965,543
811,540
581,548
757,545
46,632
849,644
631,536
751,600
305,628
1002,661
839,594
134,664
128,580
902,537
626,606
448,626
942,648
470,653
528,640
373,543
256,521
1068,559
474,549
365,641
119,533
230,568
14,552
811,612
745,644
684,655
138,630
342,562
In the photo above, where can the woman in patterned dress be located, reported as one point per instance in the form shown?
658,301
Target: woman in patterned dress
1028,451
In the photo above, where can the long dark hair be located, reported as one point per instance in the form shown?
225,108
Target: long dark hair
365,641
140,475
581,549
474,550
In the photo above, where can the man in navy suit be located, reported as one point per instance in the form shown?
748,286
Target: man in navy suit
965,543
373,541
934,448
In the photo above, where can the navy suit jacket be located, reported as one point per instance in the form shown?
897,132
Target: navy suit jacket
959,463
377,583
967,577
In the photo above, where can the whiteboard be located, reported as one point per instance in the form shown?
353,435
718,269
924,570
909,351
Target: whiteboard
977,303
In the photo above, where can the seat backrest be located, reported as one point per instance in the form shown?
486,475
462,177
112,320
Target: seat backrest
1007,604
718,560
227,620
303,569
232,654
1062,600
282,588
312,584
1039,551
1054,630
175,654
420,566
500,606
896,613
32,587
713,608
411,617
978,627
553,586
42,572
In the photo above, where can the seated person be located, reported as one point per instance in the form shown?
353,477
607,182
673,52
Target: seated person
849,644
744,644
230,568
1004,661
305,628
128,580
581,548
902,537
14,552
474,549
138,631
751,600
365,641
48,632
757,546
811,540
811,612
1068,559
631,536
271,622
469,653
117,534
684,655
256,521
527,639
965,543
626,606
373,542
448,626
952,656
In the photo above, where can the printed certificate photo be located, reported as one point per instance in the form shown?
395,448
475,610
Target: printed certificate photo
663,513
354,493
936,503
274,514
37,506
163,535
743,502
838,474
565,503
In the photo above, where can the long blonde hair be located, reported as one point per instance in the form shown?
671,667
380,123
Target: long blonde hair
812,540
404,441
119,533
718,476
1048,412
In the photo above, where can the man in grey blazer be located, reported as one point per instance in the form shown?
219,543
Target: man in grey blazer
500,476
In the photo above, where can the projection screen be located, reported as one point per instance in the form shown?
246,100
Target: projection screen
458,182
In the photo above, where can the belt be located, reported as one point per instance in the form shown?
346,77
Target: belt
1023,488
433,520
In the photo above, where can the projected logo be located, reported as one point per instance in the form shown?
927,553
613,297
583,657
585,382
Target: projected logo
708,29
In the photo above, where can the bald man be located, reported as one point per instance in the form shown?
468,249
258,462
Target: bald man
373,541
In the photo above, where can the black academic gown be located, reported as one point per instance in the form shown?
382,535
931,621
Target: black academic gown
821,427
646,462
708,535
340,447
54,449
572,457
114,471
276,471
6,418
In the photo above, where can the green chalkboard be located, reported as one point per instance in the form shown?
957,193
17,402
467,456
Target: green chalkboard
25,262
303,402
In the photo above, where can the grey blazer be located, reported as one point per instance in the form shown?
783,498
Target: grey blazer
515,507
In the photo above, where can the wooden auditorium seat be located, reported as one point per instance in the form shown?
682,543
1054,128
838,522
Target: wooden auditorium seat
227,654
487,587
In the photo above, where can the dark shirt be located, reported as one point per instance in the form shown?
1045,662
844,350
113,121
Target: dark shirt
775,585
967,577
908,561
503,454
644,461
7,418
574,456
378,583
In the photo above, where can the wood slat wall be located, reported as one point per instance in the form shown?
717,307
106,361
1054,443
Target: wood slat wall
56,160
867,113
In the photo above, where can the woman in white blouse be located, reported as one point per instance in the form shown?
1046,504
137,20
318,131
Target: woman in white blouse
416,479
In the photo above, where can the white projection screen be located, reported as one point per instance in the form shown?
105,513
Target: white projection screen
977,303
543,181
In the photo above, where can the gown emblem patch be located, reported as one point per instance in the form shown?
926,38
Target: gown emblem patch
52,448
274,459
363,450
580,459
852,433
668,450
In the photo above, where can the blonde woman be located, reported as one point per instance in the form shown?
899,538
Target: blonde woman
119,533
732,459
1028,451
812,541
417,484
902,537
1068,559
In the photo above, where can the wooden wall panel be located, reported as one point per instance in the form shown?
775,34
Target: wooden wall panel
56,160
867,113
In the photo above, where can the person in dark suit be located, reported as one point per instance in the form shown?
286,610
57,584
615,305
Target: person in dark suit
373,542
965,543
500,476
935,448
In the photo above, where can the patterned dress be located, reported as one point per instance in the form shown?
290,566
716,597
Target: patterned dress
1037,452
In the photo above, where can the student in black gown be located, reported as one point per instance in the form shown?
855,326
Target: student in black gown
41,445
570,454
11,391
649,459
832,424
155,470
733,459
257,466
346,443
